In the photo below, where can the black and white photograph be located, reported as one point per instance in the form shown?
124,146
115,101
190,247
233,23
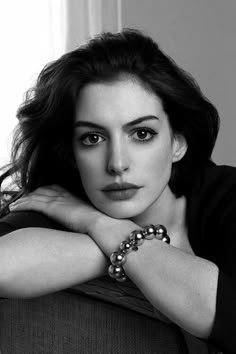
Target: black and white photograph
118,177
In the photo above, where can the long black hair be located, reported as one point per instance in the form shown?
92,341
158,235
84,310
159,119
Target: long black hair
42,146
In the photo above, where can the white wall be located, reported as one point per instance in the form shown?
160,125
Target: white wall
200,35
31,34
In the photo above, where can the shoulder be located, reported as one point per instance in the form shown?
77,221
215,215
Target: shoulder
213,185
212,207
212,176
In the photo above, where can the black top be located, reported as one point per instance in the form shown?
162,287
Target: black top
211,215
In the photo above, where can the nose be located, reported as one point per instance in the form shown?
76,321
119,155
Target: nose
117,160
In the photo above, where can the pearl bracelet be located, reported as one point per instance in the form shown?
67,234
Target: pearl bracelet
136,238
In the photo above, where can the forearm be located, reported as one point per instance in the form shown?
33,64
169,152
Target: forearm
182,286
179,284
36,261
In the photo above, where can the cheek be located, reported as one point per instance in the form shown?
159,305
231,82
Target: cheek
88,167
158,165
159,156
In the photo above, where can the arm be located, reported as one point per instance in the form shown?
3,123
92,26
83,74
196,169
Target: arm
184,287
180,285
175,282
37,261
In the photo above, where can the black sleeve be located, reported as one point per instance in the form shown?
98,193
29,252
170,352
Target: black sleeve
224,330
212,234
23,219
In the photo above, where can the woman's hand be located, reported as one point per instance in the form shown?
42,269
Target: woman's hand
80,216
57,203
76,215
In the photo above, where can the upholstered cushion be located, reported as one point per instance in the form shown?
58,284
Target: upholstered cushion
72,323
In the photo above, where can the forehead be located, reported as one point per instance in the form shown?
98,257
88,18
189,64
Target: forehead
121,100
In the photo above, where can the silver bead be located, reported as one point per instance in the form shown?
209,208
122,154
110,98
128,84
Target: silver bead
115,271
137,237
126,246
122,278
117,258
166,239
149,232
160,231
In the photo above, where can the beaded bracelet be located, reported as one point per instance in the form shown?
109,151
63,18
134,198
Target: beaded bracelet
136,238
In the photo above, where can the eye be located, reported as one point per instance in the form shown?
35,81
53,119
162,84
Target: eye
143,134
91,139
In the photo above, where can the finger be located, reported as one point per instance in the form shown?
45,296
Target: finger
34,198
47,191
28,204
57,187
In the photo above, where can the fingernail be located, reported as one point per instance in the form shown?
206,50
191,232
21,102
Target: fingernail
12,206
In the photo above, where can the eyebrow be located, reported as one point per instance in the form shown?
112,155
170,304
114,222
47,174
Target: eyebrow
84,123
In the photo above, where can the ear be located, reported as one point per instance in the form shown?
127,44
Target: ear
180,147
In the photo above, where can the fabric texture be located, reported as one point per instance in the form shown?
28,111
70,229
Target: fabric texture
73,323
212,233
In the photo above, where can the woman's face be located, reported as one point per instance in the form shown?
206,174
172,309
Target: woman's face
124,148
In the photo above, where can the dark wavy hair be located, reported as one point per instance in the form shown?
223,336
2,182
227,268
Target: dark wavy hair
42,146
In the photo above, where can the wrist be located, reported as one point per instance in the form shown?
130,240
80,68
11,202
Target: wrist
108,232
136,239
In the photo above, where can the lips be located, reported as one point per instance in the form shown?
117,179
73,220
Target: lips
120,191
120,186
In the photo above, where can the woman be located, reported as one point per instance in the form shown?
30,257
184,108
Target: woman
115,137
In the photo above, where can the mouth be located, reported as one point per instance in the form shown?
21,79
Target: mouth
120,186
120,191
